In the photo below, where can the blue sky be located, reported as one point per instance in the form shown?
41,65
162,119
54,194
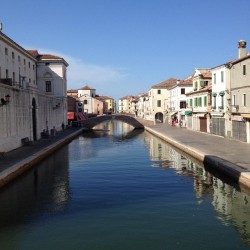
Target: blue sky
123,47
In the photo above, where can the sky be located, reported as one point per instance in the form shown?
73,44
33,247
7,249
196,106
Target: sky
123,47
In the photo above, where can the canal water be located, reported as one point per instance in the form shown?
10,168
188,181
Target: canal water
118,188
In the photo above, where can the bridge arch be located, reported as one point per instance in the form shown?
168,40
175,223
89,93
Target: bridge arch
92,122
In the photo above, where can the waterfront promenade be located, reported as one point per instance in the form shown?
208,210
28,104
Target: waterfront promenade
230,157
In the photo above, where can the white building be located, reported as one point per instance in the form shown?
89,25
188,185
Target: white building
220,94
199,100
27,108
178,99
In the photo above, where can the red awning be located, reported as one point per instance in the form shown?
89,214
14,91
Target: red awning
81,116
70,115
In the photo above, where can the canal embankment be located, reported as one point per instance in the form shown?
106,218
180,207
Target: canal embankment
229,157
18,161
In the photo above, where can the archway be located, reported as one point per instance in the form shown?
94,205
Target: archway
34,126
159,117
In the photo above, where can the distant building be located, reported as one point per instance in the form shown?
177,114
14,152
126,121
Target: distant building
108,104
178,101
199,100
159,99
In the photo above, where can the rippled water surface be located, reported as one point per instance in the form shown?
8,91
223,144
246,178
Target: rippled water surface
122,189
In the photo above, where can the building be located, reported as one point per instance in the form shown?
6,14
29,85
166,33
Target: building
32,93
178,100
199,101
240,94
159,100
84,103
220,110
125,105
108,104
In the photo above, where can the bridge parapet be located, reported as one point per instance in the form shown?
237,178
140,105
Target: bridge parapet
92,122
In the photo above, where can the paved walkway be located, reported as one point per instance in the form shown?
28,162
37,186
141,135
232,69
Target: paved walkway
19,160
230,156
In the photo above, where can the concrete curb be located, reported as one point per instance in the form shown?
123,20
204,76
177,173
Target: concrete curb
230,169
17,169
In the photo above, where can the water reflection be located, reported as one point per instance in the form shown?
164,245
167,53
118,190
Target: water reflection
110,180
27,194
232,206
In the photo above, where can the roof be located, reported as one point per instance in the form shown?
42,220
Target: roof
235,61
105,97
187,81
16,46
72,90
205,89
206,75
165,84
87,88
38,56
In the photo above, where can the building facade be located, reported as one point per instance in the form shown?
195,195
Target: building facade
26,109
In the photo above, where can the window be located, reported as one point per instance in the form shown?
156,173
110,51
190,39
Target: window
205,101
85,101
183,104
19,59
195,102
214,78
48,86
200,101
191,102
214,106
244,70
14,77
29,64
158,103
195,86
244,100
222,102
158,91
6,51
222,76
182,91
203,84
7,73
13,55
24,62
234,100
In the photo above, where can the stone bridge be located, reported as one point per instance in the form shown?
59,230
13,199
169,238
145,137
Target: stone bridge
92,122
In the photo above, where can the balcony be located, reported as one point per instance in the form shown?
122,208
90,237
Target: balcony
6,81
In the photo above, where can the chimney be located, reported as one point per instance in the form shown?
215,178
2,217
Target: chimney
242,48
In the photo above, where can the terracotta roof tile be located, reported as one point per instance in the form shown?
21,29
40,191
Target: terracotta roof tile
87,88
165,84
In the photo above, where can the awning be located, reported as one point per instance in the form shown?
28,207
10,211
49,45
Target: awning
71,115
81,116
200,114
220,114
173,113
246,115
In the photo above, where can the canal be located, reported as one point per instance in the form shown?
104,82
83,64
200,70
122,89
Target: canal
118,188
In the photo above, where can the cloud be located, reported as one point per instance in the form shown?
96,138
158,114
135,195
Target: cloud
80,73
